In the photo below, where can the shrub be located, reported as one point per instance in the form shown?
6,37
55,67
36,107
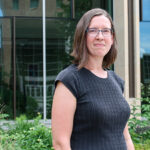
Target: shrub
144,146
140,128
26,135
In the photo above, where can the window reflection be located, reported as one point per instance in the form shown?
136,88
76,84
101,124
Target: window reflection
1,13
16,4
145,51
6,88
145,48
0,36
23,35
21,7
146,10
59,44
29,69
34,3
83,6
58,8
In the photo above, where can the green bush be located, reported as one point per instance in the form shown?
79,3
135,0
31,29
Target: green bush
25,135
140,128
144,146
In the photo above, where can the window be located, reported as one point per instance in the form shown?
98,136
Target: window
145,10
0,52
34,3
146,68
1,13
63,8
16,4
33,70
0,36
145,46
58,3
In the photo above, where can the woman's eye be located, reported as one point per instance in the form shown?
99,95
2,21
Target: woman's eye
105,30
93,30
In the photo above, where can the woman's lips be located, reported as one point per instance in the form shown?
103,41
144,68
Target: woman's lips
99,45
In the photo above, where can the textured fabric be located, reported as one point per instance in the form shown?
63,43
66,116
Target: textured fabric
101,113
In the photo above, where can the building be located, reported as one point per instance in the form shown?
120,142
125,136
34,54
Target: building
22,45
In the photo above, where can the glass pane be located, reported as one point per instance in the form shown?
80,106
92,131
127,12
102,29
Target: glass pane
34,3
59,44
29,66
0,35
16,4
59,40
26,35
58,8
6,77
21,8
146,10
145,56
82,6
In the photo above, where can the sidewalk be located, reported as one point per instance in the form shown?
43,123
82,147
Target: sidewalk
4,124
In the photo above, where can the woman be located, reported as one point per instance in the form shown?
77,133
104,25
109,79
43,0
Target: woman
89,111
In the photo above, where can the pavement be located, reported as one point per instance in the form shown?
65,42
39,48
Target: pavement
4,124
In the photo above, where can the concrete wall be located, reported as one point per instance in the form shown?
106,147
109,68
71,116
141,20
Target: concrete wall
121,21
52,10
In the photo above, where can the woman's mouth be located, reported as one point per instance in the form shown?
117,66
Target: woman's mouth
99,45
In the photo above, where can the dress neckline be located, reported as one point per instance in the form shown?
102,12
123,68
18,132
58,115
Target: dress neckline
90,72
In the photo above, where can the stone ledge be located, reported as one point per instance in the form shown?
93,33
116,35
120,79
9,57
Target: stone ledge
4,123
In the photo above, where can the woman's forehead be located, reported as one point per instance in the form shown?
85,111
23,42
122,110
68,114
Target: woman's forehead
100,21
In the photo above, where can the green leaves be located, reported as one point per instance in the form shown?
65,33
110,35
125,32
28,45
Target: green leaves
26,135
139,125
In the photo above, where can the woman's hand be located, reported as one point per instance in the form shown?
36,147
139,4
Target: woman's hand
128,139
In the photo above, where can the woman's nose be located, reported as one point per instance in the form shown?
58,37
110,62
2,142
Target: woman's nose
99,35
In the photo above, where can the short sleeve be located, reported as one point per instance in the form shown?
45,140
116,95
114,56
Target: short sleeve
120,81
122,85
69,79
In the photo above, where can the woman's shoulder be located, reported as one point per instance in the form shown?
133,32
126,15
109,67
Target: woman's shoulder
116,77
68,77
67,72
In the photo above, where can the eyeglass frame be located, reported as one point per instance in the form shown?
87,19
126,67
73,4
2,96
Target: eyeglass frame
100,30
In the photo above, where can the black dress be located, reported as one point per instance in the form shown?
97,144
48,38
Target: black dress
101,113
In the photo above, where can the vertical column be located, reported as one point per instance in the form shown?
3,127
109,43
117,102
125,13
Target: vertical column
73,9
44,62
136,35
120,16
14,65
7,36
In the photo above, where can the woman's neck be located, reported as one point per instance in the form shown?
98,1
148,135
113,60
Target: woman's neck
96,68
94,64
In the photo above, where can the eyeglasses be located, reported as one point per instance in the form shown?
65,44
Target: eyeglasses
94,32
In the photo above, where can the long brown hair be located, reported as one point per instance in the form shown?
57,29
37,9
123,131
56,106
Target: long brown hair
80,51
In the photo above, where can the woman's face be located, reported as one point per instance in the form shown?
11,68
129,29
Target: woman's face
99,42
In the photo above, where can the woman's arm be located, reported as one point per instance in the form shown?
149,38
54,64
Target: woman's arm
63,109
128,139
